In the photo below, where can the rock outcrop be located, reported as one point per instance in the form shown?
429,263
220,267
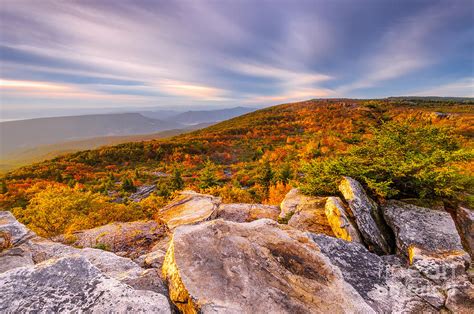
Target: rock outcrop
465,223
189,208
129,239
247,212
368,218
306,213
428,238
72,284
12,233
256,267
35,273
386,287
340,220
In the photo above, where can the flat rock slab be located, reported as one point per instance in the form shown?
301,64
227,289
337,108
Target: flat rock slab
305,213
72,284
257,267
131,239
368,218
247,212
189,208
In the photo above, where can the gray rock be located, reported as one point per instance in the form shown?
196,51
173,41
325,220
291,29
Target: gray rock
368,218
387,287
142,192
72,284
428,238
13,258
257,267
12,232
247,212
36,250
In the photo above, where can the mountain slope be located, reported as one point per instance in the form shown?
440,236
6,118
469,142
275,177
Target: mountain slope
240,158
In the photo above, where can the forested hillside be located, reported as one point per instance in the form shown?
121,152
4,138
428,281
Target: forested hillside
397,147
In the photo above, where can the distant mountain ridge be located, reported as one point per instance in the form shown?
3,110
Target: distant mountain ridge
31,133
41,131
206,116
20,157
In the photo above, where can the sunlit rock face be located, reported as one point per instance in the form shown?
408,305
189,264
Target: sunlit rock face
340,221
257,267
247,212
72,284
465,223
368,217
189,208
129,239
306,213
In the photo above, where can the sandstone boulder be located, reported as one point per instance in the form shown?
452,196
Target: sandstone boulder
465,223
368,218
256,267
189,208
428,238
306,213
340,221
247,212
131,239
72,284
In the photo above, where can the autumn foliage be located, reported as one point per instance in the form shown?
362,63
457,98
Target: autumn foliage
257,157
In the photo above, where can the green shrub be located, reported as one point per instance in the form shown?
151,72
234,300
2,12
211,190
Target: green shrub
399,160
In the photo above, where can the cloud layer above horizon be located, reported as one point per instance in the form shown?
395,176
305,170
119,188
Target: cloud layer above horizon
80,55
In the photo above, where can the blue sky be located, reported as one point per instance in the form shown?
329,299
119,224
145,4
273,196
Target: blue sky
81,56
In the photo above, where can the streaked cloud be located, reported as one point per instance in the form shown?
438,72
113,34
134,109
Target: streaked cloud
212,53
461,88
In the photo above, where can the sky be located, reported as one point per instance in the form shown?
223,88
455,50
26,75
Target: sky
70,57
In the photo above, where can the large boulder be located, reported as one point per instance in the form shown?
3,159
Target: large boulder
306,213
189,208
465,223
247,212
368,218
340,221
257,267
72,284
130,239
386,286
428,238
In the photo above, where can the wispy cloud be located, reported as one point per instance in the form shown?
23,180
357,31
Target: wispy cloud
461,88
212,53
